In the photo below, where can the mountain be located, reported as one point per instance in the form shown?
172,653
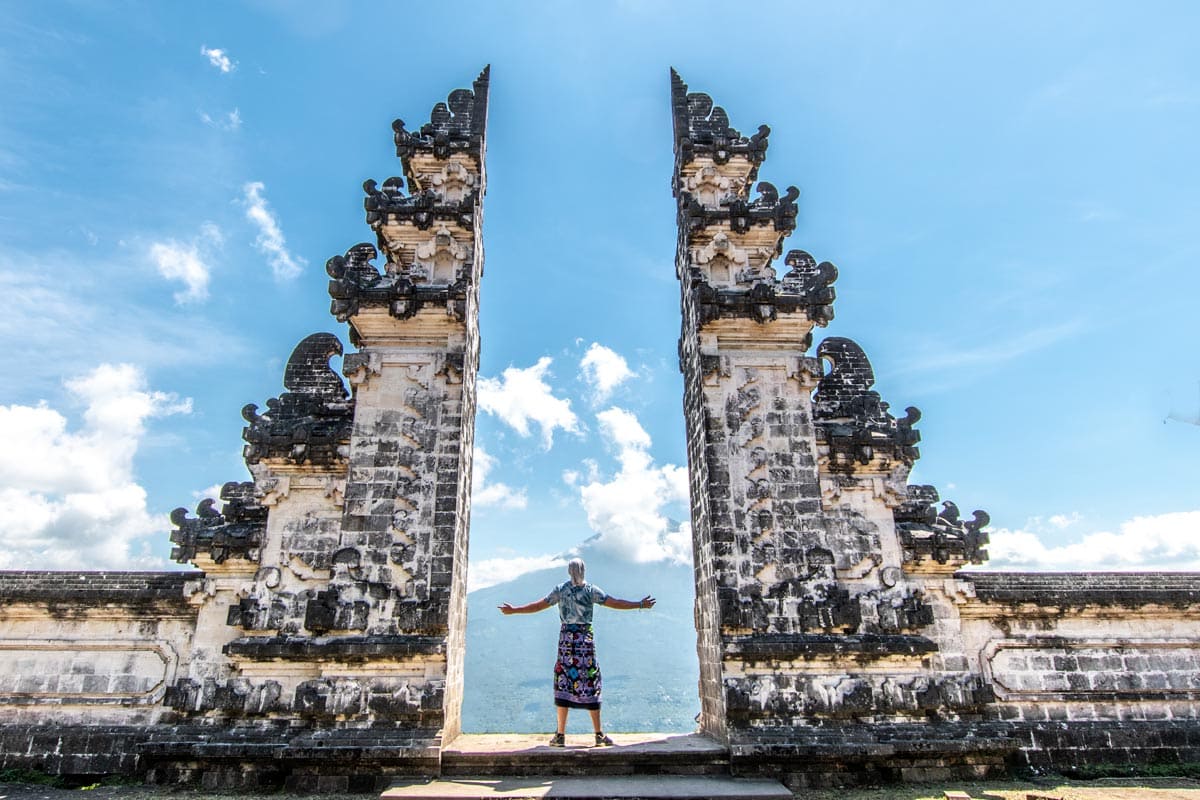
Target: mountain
648,658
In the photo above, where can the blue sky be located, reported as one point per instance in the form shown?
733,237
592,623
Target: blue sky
1010,194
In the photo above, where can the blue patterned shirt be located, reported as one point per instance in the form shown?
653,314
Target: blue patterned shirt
575,602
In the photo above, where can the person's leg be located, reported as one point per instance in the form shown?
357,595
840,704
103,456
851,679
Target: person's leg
595,712
562,719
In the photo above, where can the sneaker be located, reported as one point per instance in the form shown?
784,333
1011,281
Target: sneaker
603,741
558,740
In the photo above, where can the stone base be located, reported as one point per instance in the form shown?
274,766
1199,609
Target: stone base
634,754
306,761
862,755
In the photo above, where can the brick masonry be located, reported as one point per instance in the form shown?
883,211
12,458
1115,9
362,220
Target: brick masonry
318,643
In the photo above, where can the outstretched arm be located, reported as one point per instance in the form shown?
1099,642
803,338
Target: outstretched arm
625,605
528,608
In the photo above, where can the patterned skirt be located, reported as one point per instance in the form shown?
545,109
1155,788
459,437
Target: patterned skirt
576,673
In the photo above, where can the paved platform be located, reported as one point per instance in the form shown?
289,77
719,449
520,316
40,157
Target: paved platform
633,754
607,787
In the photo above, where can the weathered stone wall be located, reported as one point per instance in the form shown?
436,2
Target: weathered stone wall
85,656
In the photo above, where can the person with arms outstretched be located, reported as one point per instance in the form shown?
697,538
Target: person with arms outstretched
576,671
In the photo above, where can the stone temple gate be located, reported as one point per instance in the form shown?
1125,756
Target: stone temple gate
319,640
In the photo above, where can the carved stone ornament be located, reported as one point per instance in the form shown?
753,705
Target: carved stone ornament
702,128
806,288
355,283
439,260
457,125
311,423
236,531
851,419
390,205
766,209
941,536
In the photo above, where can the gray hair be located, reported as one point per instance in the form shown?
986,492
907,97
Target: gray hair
576,569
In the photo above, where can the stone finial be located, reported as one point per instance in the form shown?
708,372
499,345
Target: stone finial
236,531
455,126
929,534
851,419
311,423
702,128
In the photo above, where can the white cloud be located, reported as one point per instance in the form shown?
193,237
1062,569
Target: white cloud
68,498
187,262
521,396
218,58
605,370
492,571
1161,542
229,122
270,241
627,511
492,494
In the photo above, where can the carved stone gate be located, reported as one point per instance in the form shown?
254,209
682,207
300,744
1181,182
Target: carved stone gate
320,643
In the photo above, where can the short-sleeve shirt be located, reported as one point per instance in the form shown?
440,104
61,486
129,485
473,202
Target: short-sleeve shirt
575,602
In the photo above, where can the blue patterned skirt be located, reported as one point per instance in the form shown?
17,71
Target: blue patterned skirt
576,673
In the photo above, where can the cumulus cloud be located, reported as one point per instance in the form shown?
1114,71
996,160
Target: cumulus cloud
270,241
493,571
604,370
496,494
627,510
188,262
522,396
68,498
218,58
1156,542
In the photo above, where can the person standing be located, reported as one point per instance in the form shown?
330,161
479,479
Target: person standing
577,680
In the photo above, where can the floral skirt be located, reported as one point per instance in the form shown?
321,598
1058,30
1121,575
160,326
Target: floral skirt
576,673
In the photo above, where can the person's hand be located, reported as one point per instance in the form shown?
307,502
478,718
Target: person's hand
506,608
648,602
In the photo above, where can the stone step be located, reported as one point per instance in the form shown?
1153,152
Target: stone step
605,787
633,754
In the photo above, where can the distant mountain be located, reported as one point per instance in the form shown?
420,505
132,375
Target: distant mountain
648,658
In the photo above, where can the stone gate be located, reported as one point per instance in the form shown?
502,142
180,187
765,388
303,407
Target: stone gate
319,641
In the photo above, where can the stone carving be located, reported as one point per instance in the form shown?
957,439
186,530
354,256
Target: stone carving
458,125
851,419
806,288
768,209
812,282
439,260
702,129
356,283
928,534
236,531
384,206
311,423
